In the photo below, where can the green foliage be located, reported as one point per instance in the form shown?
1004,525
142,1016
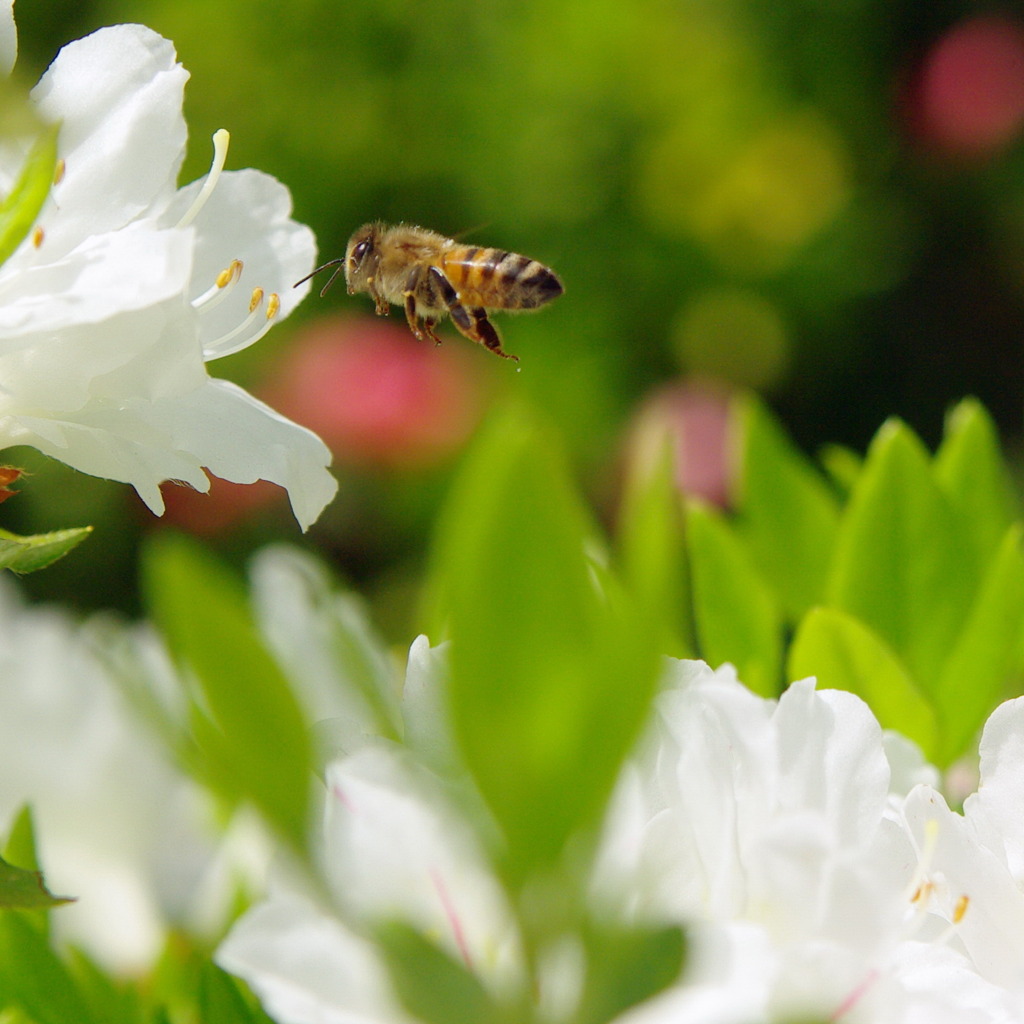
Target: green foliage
846,654
25,890
652,555
894,566
223,1001
27,554
786,513
22,887
905,585
248,726
551,676
432,986
737,615
627,966
34,979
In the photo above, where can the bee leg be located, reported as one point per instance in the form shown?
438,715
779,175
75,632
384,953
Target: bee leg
411,317
381,306
428,330
484,333
472,323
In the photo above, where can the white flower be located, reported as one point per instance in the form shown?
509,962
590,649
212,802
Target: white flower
111,307
763,826
970,893
778,832
790,838
118,827
393,849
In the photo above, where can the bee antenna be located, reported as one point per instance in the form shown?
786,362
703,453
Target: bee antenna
339,263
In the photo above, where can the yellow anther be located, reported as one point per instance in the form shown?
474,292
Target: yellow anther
257,298
58,171
273,305
960,909
923,893
234,271
38,234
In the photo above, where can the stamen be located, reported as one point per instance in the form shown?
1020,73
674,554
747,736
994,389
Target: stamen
961,908
38,234
238,338
229,273
221,286
261,306
221,138
58,171
919,887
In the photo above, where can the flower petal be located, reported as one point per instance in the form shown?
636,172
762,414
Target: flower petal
307,968
996,811
118,95
8,37
395,849
239,438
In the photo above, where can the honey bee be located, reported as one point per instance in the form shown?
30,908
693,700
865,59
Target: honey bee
432,277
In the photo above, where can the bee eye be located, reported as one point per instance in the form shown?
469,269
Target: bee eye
360,251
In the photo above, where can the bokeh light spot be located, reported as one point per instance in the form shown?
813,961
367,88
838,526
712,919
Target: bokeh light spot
968,98
733,334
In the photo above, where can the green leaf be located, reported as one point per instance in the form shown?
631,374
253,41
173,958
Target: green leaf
20,208
112,1000
433,987
221,1000
844,654
898,564
248,722
737,616
652,554
985,658
21,841
970,470
627,966
32,976
551,677
843,466
25,890
27,554
787,514
21,882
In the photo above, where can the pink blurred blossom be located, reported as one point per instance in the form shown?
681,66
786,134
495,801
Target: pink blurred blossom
694,417
376,395
967,96
222,507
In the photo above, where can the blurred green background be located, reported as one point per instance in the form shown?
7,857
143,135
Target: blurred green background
819,199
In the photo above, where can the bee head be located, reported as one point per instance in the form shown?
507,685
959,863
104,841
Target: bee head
362,257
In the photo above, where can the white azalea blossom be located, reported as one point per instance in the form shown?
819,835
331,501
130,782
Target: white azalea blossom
971,866
118,826
128,285
771,829
393,849
788,837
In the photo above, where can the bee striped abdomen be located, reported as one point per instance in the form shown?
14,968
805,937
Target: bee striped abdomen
495,279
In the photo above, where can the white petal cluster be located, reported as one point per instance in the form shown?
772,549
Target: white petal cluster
816,868
128,285
119,828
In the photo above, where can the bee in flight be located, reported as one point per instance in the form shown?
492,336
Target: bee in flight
432,277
